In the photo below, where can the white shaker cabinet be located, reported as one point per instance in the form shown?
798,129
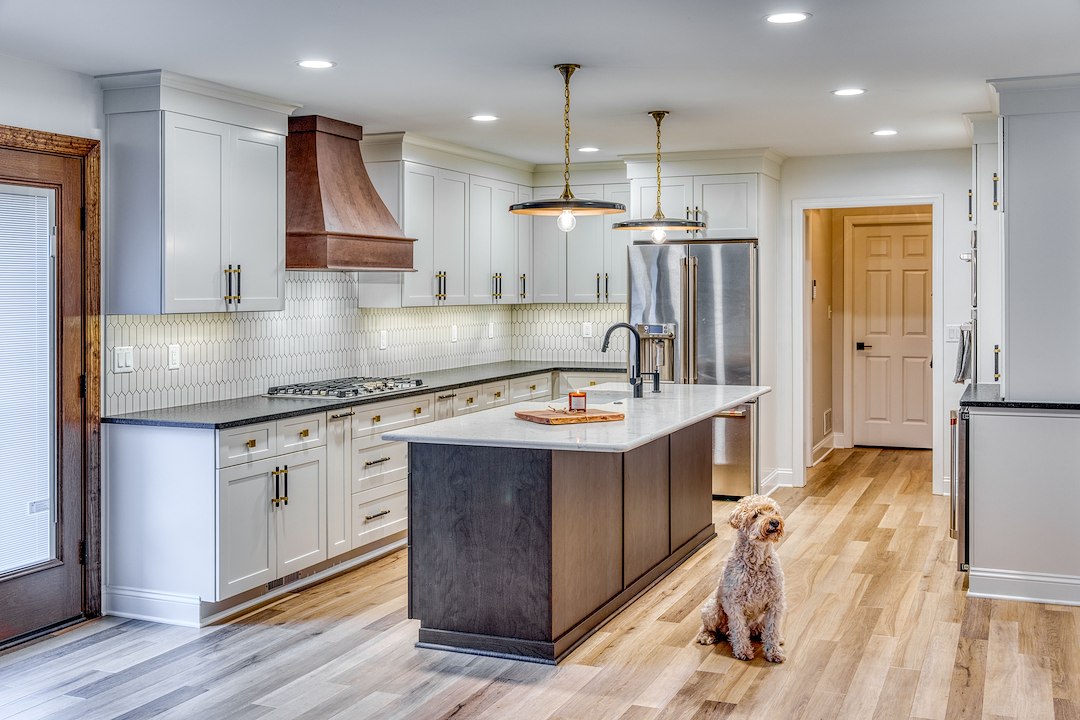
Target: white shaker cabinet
676,197
727,204
271,519
435,208
195,198
523,287
595,253
548,254
493,268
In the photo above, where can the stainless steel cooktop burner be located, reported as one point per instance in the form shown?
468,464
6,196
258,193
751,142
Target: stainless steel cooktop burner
344,388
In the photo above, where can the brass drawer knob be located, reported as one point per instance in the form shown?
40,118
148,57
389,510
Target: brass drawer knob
376,418
469,401
250,444
417,411
498,393
532,387
304,433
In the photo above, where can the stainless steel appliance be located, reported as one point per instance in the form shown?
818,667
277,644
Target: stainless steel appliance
344,388
958,485
704,294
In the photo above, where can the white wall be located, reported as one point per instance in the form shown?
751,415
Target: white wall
872,179
42,98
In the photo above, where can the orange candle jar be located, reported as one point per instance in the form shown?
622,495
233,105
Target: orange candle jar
577,401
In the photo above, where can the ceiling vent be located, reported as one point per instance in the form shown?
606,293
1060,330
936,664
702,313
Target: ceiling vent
334,218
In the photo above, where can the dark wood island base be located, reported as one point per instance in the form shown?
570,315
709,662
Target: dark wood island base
524,553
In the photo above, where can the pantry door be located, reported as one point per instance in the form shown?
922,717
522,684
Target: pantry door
44,419
892,330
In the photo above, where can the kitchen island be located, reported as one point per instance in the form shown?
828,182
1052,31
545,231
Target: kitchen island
525,538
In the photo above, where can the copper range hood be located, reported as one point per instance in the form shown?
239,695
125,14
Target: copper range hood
334,218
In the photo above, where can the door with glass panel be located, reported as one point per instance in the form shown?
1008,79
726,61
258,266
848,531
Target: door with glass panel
41,393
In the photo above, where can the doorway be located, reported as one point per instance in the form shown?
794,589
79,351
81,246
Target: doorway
49,388
870,275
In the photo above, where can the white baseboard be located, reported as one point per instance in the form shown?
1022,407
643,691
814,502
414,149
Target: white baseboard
841,440
1025,586
821,451
776,479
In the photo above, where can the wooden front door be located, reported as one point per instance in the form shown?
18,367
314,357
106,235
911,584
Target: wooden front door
892,327
44,436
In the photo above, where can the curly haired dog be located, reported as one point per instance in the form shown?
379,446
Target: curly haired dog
749,599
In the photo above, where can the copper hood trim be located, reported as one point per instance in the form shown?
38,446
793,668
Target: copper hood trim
334,218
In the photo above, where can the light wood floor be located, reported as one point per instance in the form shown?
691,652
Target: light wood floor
878,627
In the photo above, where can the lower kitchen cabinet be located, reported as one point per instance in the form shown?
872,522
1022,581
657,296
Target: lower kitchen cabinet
271,519
583,380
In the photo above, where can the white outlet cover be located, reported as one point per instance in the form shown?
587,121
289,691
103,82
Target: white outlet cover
382,339
123,359
453,333
586,329
174,357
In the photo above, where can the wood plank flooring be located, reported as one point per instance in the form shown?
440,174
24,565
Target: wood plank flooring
878,627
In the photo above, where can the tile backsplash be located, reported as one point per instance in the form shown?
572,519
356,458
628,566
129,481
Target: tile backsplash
323,334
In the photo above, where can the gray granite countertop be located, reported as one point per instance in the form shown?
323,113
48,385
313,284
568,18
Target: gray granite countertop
248,410
988,395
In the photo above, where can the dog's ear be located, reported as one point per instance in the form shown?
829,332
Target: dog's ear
737,518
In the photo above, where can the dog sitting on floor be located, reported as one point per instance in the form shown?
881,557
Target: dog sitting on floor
749,600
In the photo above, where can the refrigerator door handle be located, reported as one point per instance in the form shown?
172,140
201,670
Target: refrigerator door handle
691,328
684,327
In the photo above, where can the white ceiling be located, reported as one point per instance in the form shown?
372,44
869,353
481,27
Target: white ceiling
730,79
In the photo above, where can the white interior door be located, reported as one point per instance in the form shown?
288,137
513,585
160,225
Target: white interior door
891,271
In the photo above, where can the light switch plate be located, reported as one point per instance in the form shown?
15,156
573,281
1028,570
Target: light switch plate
382,339
952,333
174,357
586,329
453,333
123,359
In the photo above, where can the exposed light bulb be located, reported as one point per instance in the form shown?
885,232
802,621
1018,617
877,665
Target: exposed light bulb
566,221
658,235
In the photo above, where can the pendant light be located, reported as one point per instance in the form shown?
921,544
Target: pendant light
658,224
566,206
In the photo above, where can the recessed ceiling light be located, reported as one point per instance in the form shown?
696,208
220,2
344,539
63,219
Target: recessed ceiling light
316,64
883,133
845,92
785,18
484,118
588,149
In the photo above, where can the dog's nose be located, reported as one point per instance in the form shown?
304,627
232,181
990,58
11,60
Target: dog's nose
773,524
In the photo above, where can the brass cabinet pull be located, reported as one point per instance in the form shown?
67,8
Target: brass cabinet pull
251,444
417,411
376,418
285,497
605,286
277,486
369,463
498,393
446,397
469,401
597,286
523,291
304,433
342,415
378,514
532,387
592,382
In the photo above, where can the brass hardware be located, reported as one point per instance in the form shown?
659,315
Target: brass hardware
592,382
658,116
284,499
251,444
446,397
996,203
597,286
498,393
567,69
971,215
377,418
469,401
342,415
277,471
997,362
304,433
523,293
532,387
605,286
381,460
378,514
417,411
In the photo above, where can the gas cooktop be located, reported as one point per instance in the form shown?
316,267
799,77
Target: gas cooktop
344,388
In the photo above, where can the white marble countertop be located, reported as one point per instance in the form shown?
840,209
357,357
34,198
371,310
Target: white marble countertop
647,418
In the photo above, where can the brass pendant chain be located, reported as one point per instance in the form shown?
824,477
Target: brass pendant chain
567,71
658,115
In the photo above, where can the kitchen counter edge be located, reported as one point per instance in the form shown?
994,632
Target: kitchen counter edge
988,395
237,412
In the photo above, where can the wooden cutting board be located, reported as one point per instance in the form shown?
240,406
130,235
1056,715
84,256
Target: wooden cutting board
557,417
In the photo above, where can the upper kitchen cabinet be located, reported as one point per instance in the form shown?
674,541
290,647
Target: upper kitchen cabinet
524,287
1041,295
548,281
723,189
493,248
596,254
195,198
455,201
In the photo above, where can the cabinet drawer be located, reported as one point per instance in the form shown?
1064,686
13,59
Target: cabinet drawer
376,517
247,443
301,433
467,400
495,394
378,465
378,418
534,387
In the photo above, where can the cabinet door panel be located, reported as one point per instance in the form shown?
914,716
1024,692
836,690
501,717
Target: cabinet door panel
452,234
338,488
256,239
676,195
247,553
195,225
301,517
585,252
420,184
504,242
615,244
728,204
481,283
523,282
548,255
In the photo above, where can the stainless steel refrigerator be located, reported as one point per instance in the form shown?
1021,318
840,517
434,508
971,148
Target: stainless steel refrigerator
695,303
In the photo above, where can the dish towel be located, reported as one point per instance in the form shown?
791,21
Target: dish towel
963,357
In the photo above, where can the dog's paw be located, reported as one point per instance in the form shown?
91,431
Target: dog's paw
774,654
705,638
739,653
